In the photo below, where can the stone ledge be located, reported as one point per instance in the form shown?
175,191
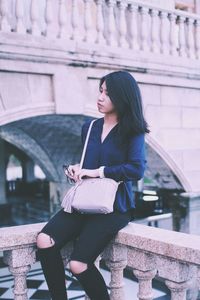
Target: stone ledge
16,236
175,245
180,246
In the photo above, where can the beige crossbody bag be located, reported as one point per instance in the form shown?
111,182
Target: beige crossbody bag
91,195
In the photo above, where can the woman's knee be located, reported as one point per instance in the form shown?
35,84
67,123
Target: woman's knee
44,240
77,267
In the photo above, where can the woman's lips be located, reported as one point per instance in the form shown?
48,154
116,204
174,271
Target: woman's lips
99,105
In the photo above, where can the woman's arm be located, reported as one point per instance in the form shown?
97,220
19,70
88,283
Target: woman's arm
134,168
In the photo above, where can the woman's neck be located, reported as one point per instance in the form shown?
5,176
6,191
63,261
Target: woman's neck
110,119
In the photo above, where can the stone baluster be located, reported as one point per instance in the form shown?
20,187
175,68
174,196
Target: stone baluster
154,30
4,25
197,38
178,290
62,19
144,11
100,23
34,13
144,268
75,18
116,260
87,22
133,42
122,25
172,40
190,38
164,36
177,276
145,283
19,11
19,262
49,18
111,38
181,36
20,287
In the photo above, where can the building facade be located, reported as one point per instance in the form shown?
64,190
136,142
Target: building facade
52,56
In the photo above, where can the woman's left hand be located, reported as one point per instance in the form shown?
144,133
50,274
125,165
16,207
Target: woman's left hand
87,173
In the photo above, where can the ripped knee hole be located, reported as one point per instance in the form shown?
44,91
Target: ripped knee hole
44,240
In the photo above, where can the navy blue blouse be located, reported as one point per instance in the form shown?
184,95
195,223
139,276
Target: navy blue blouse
122,162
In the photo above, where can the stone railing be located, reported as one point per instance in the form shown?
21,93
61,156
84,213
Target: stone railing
129,24
148,251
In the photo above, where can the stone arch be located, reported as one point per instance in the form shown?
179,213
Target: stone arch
27,111
169,161
50,140
29,146
10,133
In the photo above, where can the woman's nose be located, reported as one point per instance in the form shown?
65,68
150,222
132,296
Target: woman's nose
100,98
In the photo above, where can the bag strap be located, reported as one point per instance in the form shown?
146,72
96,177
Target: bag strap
86,143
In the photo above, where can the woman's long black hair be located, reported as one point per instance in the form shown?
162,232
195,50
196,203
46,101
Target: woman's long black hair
125,95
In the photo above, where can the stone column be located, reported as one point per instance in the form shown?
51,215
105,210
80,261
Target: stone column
144,268
145,283
177,276
116,259
2,173
28,171
197,7
186,212
19,262
180,209
178,290
193,215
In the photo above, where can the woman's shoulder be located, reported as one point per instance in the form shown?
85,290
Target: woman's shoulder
138,139
87,123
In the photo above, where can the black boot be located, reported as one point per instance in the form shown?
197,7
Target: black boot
53,269
93,283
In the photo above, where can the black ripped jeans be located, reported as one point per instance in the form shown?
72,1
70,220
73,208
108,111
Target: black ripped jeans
91,234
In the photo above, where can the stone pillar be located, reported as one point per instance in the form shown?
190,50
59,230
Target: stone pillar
28,171
19,262
177,275
145,284
180,209
197,7
144,268
116,259
193,216
2,173
186,212
178,290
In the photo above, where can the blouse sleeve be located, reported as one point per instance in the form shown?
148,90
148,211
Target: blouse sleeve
134,168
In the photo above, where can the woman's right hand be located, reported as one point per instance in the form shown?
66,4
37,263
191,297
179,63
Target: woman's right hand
73,171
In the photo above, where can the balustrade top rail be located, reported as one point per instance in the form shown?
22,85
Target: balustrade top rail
181,246
15,236
128,24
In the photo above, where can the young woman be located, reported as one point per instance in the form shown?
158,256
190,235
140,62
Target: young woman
115,150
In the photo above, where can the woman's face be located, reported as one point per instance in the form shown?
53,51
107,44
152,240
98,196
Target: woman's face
104,104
